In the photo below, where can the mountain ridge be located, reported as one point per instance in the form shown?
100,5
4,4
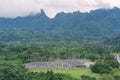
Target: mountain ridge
77,26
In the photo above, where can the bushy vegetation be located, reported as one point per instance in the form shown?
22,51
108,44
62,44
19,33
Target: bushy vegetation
13,56
39,38
106,65
50,52
84,77
16,71
13,71
73,72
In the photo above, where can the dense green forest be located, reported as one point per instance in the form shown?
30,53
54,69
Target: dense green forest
114,43
74,35
13,57
14,70
51,52
97,25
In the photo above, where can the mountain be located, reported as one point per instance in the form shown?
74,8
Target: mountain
38,20
98,24
113,43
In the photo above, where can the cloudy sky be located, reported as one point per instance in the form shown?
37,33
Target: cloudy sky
14,8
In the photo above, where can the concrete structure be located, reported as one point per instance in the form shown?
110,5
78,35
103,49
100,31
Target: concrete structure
76,63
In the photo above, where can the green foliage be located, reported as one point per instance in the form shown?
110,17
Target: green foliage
106,77
47,52
116,77
110,59
101,68
106,65
64,27
113,43
49,75
13,71
83,77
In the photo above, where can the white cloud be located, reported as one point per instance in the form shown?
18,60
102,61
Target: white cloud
14,8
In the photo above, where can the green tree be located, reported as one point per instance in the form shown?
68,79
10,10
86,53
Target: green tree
110,59
116,77
106,65
12,71
101,68
106,77
84,77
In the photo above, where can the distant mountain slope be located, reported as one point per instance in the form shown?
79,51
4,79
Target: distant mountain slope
114,43
64,27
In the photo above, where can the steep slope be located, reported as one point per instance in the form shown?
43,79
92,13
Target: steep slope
64,27
39,20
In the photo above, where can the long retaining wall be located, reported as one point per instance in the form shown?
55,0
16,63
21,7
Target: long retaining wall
62,64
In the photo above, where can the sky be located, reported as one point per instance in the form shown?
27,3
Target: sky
15,8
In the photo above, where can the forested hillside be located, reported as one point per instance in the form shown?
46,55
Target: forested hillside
113,43
64,27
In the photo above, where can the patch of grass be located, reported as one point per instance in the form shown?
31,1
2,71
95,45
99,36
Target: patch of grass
75,72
